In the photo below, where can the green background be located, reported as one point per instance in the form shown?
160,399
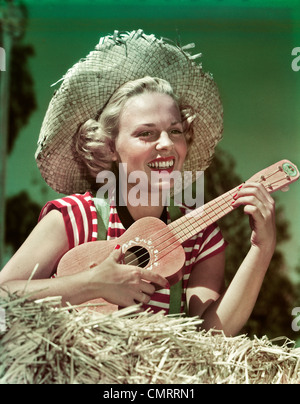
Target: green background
246,44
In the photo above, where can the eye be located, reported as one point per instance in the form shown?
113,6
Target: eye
176,132
145,134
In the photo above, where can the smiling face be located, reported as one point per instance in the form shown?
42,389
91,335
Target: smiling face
151,136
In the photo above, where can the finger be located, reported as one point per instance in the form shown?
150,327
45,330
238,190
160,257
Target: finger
257,189
147,288
154,278
116,253
256,214
254,208
257,197
142,298
252,200
253,195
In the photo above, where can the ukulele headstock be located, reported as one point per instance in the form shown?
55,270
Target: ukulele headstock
277,176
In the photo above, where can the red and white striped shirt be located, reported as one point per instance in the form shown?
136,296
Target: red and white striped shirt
80,218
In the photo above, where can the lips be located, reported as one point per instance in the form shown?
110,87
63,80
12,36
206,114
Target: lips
162,164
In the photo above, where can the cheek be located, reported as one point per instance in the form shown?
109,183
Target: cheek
129,152
182,149
122,150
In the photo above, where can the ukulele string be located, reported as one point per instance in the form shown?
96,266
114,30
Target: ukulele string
170,244
205,217
192,219
224,202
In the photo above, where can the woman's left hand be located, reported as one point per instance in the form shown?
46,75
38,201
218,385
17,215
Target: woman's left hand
260,207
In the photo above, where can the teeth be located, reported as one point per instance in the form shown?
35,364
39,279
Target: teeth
161,164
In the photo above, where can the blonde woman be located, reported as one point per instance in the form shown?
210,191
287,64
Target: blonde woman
102,118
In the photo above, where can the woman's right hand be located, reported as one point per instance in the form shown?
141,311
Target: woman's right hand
123,285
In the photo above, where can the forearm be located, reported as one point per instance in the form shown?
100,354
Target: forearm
72,289
116,283
232,309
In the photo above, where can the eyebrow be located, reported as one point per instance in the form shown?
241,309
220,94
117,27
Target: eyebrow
153,124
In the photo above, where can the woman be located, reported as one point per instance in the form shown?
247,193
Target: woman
144,125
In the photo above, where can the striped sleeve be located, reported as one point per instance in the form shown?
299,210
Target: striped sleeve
80,217
212,243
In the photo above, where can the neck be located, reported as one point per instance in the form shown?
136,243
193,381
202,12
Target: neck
141,203
138,212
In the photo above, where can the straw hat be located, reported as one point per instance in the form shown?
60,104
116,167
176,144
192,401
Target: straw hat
89,84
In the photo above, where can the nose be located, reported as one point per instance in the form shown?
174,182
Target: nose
164,141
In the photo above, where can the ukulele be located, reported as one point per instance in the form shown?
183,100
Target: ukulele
151,244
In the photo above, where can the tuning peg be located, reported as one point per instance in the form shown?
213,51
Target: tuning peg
285,189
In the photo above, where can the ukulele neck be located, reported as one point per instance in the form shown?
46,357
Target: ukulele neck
199,219
277,176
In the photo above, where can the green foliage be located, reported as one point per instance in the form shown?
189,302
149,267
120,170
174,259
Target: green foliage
22,100
22,96
272,313
21,218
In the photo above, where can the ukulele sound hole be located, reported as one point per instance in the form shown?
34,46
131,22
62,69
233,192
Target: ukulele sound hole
138,256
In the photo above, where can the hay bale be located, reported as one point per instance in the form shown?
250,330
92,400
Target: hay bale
46,343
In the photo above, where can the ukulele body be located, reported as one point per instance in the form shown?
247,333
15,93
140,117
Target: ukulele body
148,243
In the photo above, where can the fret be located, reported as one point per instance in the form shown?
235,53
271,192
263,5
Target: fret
199,219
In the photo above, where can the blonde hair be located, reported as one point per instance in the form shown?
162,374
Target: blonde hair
95,138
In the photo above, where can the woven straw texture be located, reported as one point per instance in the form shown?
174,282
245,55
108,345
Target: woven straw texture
89,84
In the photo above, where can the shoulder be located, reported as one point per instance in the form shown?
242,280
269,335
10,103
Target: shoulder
45,245
53,227
67,203
79,215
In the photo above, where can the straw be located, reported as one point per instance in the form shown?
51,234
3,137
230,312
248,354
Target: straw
45,343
